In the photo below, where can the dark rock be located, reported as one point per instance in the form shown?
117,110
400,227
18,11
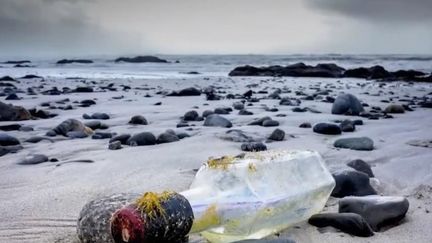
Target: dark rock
72,125
7,78
295,70
305,125
34,159
115,145
142,139
298,109
37,139
360,165
183,135
77,134
11,127
215,120
69,61
394,109
352,183
26,129
259,122
95,217
350,223
123,138
9,149
83,90
12,96
87,103
94,125
138,120
375,72
167,137
98,116
378,211
289,102
191,116
277,135
238,105
182,124
270,123
141,59
248,94
358,122
186,92
30,76
239,136
245,112
222,110
347,126
359,143
8,140
327,128
42,114
207,113
347,104
17,62
102,135
253,147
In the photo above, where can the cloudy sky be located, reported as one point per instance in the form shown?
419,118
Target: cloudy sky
57,28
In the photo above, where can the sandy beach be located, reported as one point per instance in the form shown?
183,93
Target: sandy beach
41,203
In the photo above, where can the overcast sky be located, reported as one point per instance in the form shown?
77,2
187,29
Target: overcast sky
57,28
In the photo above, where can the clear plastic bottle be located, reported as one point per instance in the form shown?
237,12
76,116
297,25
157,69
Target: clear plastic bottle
259,194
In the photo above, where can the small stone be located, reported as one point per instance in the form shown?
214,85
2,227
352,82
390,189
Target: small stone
253,147
8,140
115,145
142,139
394,109
347,126
191,116
138,120
305,125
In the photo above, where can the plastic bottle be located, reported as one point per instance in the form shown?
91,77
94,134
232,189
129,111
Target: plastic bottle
259,194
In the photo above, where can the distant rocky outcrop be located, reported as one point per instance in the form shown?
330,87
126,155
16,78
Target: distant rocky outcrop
331,70
17,62
141,59
70,61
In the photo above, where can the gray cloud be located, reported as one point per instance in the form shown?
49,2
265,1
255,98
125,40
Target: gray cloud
381,10
54,28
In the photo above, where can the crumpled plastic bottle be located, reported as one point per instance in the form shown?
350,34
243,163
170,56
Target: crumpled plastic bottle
259,194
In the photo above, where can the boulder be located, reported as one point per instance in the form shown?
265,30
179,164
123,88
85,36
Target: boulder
360,165
394,109
94,219
186,92
327,128
215,120
72,125
378,211
277,135
191,116
13,113
358,143
142,139
352,183
138,120
167,137
8,140
350,223
347,104
253,147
